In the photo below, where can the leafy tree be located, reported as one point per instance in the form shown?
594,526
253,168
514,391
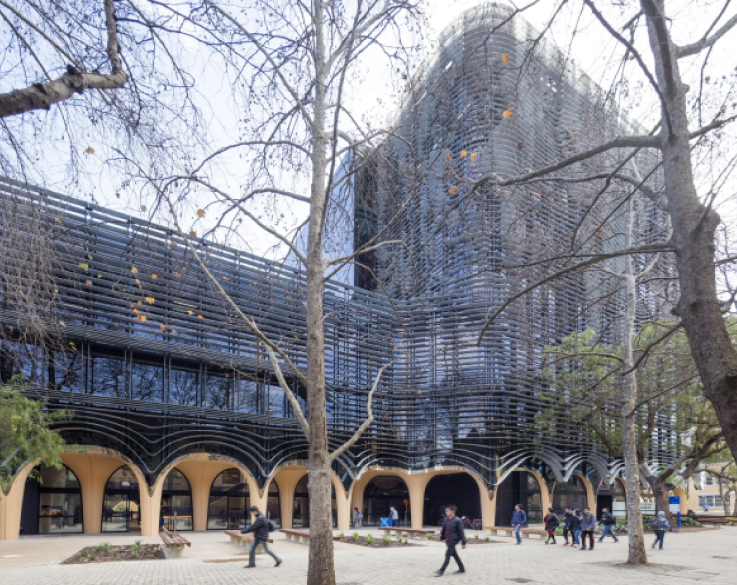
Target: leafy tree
25,432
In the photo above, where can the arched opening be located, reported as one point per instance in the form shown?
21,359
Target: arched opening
380,495
52,502
176,502
610,496
229,501
121,505
571,493
520,487
301,510
273,504
456,488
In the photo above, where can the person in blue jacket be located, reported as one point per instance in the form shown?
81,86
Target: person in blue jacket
452,533
519,519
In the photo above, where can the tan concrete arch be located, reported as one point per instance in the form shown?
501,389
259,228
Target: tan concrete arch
200,469
93,466
590,496
11,504
417,481
287,477
545,500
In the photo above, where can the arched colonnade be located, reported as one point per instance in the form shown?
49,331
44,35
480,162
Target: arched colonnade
187,487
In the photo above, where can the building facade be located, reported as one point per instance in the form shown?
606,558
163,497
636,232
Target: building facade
177,414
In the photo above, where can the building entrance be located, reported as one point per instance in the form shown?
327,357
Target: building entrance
121,506
520,487
380,495
457,488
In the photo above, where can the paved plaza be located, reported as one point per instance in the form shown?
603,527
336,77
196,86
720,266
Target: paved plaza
706,556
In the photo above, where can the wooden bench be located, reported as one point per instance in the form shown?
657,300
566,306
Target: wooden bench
173,541
715,520
244,540
300,536
400,531
524,532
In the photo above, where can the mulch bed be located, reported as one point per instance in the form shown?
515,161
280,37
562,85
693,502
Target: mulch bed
378,543
114,554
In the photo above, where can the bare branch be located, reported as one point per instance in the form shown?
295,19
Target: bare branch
366,423
707,41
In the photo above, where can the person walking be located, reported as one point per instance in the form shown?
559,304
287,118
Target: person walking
519,519
394,515
588,527
659,525
452,533
260,529
576,527
608,521
567,525
551,525
357,519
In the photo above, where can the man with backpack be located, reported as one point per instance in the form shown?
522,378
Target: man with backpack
551,525
659,525
608,521
260,528
452,533
567,525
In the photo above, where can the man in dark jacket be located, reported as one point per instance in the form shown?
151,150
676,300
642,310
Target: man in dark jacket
452,533
260,529
608,521
519,519
567,525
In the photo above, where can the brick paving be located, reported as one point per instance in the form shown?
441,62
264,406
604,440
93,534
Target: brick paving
709,557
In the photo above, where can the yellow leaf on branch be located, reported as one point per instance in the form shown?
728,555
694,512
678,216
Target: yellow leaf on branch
507,114
200,213
505,58
150,300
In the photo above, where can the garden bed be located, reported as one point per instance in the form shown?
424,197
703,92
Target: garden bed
380,542
107,553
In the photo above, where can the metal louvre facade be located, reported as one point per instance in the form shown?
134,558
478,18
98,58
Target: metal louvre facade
157,366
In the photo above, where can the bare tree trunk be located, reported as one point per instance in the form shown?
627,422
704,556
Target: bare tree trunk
636,531
321,569
693,235
660,491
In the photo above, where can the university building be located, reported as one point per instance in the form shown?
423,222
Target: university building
177,413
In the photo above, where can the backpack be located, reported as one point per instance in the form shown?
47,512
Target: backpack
657,523
553,521
359,516
271,526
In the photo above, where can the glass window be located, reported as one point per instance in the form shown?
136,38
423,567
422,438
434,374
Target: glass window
273,507
147,382
183,385
108,377
275,401
176,502
229,501
65,371
218,390
60,501
715,501
246,396
121,505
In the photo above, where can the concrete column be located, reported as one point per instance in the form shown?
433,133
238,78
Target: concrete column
11,505
343,504
684,500
92,471
416,485
287,480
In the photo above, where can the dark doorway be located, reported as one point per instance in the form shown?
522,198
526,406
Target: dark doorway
229,501
457,488
520,487
603,501
571,493
380,495
121,507
176,502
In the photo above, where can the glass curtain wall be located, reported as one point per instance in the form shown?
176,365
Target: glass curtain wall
176,502
121,507
229,501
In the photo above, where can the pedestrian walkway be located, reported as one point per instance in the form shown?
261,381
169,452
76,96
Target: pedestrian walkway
709,557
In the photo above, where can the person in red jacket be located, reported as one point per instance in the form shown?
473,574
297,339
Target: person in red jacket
551,525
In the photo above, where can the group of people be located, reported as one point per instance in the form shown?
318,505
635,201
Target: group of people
578,525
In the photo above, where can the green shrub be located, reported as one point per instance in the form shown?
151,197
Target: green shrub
103,547
488,539
355,537
84,553
385,539
136,548
370,539
341,535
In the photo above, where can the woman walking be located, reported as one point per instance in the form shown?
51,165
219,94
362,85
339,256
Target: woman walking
551,525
